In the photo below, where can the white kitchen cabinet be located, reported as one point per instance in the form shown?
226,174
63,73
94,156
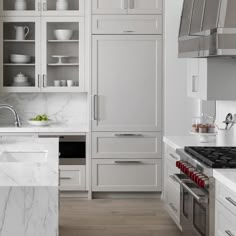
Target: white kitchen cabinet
41,45
172,188
145,7
128,24
204,78
130,175
30,46
71,68
144,145
111,7
127,83
224,221
72,178
42,8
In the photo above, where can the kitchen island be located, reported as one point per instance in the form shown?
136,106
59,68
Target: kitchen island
28,186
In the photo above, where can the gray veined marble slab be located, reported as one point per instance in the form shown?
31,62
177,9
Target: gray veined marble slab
28,187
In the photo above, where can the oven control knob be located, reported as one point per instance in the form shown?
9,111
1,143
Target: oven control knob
177,164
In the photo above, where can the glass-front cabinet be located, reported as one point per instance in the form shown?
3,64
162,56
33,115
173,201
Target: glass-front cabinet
63,54
20,60
42,52
42,7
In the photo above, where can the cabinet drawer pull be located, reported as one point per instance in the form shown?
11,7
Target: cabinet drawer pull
229,232
173,207
229,199
173,156
131,4
65,178
127,162
128,31
124,4
128,135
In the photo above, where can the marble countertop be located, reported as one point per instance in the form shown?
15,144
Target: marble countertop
31,171
177,142
54,128
227,177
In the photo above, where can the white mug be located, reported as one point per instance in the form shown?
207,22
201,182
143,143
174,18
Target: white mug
57,83
70,83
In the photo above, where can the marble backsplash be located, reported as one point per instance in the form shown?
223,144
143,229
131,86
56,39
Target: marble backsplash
62,108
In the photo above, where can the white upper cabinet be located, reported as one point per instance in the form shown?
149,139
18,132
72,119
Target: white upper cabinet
126,82
145,7
211,79
110,6
62,59
20,35
127,7
42,7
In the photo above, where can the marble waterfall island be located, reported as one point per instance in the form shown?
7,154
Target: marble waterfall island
29,186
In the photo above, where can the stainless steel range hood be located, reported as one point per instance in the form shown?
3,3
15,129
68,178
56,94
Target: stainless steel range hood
208,29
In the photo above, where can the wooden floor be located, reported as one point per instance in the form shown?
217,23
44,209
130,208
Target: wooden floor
115,218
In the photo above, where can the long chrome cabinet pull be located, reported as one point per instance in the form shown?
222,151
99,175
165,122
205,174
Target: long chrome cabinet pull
131,4
128,135
229,232
229,199
39,85
44,81
127,162
173,207
95,107
65,178
173,156
124,4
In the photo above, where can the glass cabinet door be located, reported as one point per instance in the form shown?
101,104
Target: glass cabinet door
63,54
20,8
20,60
63,7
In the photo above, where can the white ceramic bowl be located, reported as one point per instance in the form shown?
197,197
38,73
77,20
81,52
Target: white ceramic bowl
17,58
39,123
20,79
63,34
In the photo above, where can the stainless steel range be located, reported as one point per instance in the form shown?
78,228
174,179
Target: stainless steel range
198,186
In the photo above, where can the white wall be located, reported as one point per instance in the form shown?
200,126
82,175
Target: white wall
63,108
178,108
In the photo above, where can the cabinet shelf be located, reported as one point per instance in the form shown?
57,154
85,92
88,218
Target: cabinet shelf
64,41
15,64
63,64
18,41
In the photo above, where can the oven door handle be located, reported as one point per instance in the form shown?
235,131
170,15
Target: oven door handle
199,198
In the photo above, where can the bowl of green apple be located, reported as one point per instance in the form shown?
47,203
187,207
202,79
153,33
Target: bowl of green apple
40,120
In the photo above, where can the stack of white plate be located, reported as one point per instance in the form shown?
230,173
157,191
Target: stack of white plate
20,80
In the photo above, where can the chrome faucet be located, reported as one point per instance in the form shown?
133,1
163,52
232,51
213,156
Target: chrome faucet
16,116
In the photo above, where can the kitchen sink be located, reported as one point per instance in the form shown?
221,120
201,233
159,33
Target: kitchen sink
23,157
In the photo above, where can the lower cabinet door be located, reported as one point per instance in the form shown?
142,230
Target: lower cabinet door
72,178
224,221
127,175
172,198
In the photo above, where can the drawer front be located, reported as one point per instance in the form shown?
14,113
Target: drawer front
126,176
126,145
173,202
226,197
224,221
127,24
73,179
171,170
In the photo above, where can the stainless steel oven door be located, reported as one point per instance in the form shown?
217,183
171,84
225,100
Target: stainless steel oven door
194,207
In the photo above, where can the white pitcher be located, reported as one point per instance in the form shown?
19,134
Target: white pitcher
21,32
